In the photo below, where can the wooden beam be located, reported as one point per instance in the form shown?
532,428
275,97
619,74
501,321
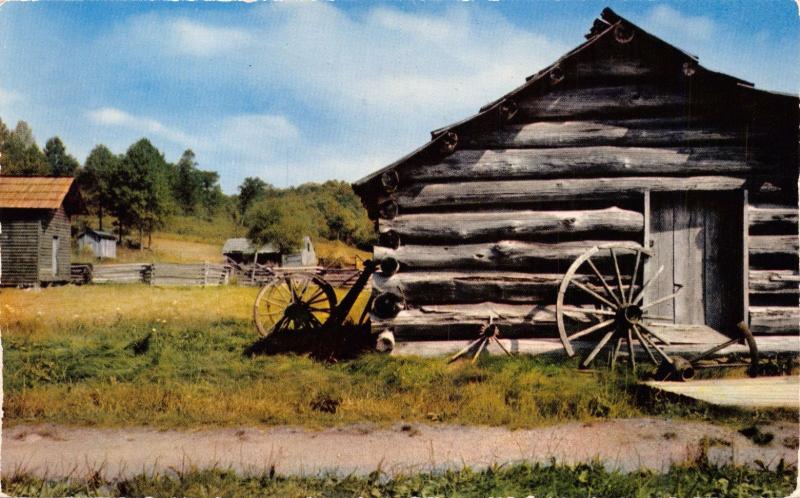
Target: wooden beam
464,321
488,225
666,132
766,218
602,101
774,319
745,231
774,282
584,162
773,244
441,287
551,346
506,254
507,193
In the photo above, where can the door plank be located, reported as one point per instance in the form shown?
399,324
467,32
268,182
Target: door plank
688,262
662,210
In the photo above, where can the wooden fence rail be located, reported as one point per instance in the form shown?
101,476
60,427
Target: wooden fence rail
193,274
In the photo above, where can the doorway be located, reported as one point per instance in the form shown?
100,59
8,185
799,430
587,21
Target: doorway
54,255
698,238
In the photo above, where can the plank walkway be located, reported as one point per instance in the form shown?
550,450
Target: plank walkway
761,392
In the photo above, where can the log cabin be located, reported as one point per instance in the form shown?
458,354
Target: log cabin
626,140
35,229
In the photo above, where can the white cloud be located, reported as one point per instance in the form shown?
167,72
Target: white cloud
365,87
698,27
111,116
244,137
259,127
204,40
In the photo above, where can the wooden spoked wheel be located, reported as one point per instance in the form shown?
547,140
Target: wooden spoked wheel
608,310
293,301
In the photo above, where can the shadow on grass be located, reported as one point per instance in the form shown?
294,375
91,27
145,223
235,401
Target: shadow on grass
325,344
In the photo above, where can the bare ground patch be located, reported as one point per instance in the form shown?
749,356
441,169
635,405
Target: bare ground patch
621,444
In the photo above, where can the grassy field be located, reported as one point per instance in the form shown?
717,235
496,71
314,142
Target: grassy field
173,357
695,479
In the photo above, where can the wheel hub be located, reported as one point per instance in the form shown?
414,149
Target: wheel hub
629,314
298,312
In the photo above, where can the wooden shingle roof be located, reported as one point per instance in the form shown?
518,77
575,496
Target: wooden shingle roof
33,192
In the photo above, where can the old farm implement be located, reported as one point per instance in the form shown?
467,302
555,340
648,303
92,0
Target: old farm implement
610,313
594,312
301,308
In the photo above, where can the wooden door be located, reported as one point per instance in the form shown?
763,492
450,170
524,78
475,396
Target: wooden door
698,238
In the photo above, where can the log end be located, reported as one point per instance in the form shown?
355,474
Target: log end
387,305
389,266
385,342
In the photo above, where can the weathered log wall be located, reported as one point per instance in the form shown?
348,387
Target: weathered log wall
774,282
485,220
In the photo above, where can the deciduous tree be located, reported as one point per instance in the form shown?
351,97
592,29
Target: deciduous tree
61,163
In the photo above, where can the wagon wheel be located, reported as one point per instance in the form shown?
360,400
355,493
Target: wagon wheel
293,301
610,309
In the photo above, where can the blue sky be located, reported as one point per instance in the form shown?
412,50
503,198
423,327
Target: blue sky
296,92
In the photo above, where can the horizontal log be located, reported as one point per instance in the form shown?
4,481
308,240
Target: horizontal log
774,319
531,191
511,224
774,282
576,162
475,287
121,266
506,254
634,132
552,346
610,68
602,101
766,218
773,244
463,321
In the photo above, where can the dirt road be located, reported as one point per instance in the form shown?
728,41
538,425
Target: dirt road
620,444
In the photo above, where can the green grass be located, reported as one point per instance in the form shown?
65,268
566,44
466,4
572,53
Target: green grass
189,375
518,480
216,229
127,355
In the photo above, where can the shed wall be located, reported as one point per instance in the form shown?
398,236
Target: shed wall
19,246
55,224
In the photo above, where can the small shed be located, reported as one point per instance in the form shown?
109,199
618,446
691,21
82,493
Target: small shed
103,244
241,250
35,229
625,139
305,257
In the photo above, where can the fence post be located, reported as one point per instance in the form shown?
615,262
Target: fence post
152,267
205,273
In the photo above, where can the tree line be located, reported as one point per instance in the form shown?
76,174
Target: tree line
139,189
282,217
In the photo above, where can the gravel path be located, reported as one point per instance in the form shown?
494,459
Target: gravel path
627,444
